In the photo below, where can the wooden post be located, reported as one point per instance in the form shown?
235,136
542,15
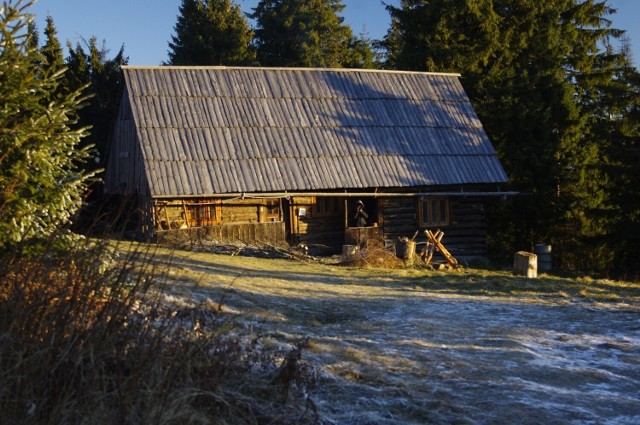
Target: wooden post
346,213
525,264
186,213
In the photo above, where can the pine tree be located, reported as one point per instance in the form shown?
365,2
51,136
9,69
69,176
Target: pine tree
41,183
211,32
441,35
303,33
52,50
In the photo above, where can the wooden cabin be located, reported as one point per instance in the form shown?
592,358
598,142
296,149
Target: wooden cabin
282,155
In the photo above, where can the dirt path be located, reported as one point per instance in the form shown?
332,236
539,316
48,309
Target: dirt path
395,348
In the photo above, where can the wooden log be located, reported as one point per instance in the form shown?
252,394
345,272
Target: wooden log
525,264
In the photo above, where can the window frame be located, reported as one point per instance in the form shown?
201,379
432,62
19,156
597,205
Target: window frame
272,209
202,213
434,219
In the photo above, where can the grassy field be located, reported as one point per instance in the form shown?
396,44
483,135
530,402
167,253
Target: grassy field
115,332
414,346
314,280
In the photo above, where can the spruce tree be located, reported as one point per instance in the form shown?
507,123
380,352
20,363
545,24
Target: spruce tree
624,152
52,50
211,32
41,182
441,35
363,55
304,33
611,225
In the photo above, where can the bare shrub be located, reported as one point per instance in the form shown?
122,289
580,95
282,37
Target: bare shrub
89,337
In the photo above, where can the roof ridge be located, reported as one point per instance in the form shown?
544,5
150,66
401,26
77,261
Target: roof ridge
297,69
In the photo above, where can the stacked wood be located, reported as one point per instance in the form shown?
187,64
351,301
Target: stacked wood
525,264
273,233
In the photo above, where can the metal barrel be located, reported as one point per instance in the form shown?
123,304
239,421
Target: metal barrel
543,251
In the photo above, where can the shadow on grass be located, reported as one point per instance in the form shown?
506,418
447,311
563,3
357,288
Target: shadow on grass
208,268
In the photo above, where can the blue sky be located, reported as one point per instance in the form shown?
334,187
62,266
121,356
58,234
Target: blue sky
145,27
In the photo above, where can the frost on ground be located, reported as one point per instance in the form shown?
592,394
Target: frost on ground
439,360
393,348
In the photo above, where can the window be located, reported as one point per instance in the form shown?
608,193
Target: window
434,212
326,206
201,214
272,209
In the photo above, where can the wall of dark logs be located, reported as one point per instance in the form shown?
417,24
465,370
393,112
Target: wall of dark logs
310,227
465,236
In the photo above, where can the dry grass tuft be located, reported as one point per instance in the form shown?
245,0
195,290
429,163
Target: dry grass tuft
374,255
89,337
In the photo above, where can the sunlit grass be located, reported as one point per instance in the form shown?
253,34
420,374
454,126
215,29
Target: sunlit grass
321,282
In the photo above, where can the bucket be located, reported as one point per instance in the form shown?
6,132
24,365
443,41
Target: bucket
406,250
543,251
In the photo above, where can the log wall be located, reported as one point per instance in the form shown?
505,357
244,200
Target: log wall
248,233
319,229
234,220
246,220
465,236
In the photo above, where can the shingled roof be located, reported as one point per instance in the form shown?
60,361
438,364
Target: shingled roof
217,130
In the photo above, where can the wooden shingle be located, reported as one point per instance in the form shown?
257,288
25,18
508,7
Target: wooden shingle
215,130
